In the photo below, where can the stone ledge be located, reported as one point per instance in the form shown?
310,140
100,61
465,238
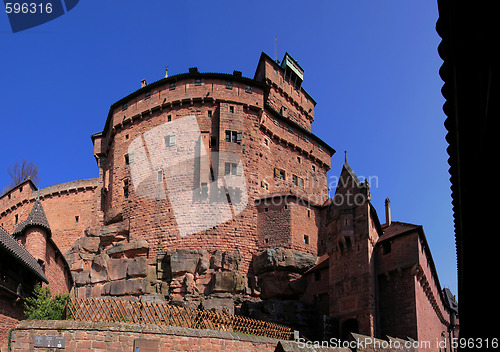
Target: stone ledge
67,325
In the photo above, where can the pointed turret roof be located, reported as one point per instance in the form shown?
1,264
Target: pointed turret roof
36,218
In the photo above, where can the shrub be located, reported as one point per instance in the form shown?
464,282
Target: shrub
42,306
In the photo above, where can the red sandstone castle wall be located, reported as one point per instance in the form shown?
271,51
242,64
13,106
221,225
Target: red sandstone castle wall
263,148
432,317
70,208
396,287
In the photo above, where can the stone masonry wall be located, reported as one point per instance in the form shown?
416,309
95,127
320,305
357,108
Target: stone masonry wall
118,337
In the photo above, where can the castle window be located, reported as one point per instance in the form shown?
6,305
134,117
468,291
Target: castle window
127,159
231,109
77,218
266,141
306,239
126,136
264,185
348,242
232,169
266,240
160,176
170,140
308,213
229,85
169,118
16,219
125,189
248,89
197,82
209,113
298,181
147,95
299,160
124,106
234,136
314,168
278,173
173,85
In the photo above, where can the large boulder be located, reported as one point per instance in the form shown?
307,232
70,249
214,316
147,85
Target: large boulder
228,281
183,261
276,259
130,287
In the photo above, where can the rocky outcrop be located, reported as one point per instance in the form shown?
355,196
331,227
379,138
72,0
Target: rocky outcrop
279,272
106,263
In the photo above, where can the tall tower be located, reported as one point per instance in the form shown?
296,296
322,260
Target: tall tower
353,231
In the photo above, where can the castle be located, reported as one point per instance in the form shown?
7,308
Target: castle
212,193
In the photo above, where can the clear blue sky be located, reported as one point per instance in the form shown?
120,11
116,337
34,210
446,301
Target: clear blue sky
372,66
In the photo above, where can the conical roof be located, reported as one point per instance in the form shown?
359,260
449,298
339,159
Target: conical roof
36,218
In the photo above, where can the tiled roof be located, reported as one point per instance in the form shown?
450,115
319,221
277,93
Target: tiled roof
11,246
36,218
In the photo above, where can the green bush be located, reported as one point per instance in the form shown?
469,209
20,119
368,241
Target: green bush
42,306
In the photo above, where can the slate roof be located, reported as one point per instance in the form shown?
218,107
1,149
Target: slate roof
12,247
450,300
36,218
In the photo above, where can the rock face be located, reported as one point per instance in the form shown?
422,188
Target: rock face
106,263
279,272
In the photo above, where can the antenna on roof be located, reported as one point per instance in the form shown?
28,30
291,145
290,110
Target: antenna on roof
166,71
276,48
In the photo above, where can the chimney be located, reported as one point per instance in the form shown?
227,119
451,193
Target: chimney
143,83
387,212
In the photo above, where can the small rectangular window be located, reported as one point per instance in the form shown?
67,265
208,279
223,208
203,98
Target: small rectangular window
248,89
197,82
170,140
278,173
172,86
231,109
124,106
229,85
228,136
306,239
127,159
160,176
169,118
209,113
147,95
232,169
